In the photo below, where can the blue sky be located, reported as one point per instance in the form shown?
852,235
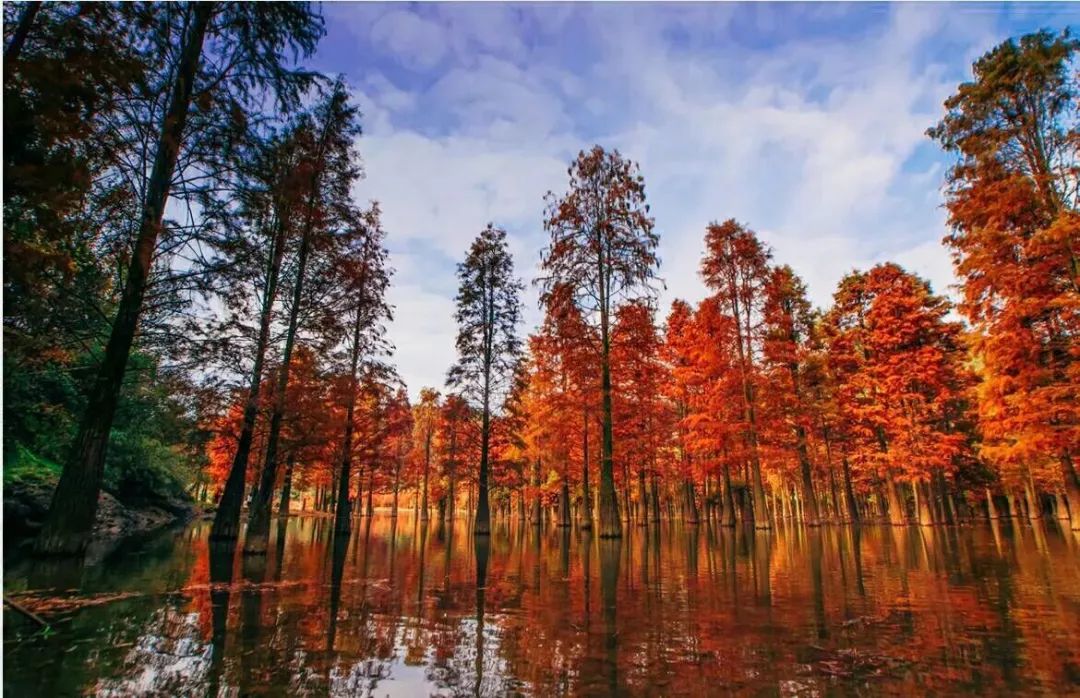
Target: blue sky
803,121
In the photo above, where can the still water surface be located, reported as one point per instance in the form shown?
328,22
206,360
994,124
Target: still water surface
405,610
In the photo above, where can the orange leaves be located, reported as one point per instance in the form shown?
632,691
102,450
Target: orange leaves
899,365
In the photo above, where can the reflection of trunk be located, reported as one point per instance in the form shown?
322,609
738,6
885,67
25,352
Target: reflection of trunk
820,621
483,547
609,577
74,502
221,574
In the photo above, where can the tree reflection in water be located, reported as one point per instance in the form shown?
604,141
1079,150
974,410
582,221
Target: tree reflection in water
675,610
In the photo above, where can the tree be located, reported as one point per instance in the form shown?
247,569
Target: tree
425,428
489,350
788,322
366,280
331,168
641,417
257,39
736,266
676,352
268,201
1012,199
602,251
899,366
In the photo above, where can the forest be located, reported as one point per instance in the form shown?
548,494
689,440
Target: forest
217,482
196,312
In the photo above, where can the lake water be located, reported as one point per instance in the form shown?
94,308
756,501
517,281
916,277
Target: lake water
405,610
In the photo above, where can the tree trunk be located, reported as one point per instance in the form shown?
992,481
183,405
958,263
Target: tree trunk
370,492
643,499
1072,490
728,514
894,503
849,493
690,510
427,469
922,503
534,518
610,523
259,517
22,30
483,513
74,502
655,500
286,487
397,486
811,514
586,498
564,504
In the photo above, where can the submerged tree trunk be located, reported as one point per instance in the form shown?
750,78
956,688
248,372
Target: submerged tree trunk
74,502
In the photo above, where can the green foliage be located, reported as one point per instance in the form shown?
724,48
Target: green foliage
21,465
148,457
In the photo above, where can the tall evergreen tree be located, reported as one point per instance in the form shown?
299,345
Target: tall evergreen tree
489,349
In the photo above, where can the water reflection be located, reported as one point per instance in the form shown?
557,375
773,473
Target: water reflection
396,608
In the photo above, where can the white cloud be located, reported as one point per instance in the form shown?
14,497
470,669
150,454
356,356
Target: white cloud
416,42
806,138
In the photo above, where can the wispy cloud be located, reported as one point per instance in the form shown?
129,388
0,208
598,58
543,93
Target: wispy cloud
804,121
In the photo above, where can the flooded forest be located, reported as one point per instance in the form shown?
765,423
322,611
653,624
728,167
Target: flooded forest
217,480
